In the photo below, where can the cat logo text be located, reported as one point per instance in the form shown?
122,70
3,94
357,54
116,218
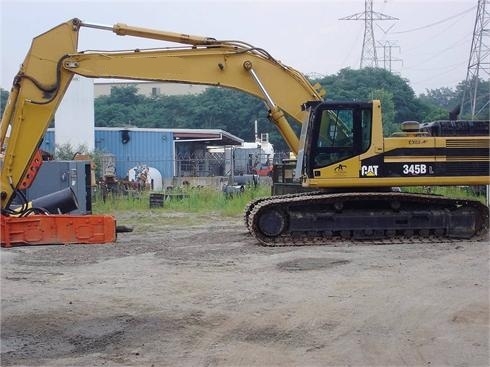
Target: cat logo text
369,171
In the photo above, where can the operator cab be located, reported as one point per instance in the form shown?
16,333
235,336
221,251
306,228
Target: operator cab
335,132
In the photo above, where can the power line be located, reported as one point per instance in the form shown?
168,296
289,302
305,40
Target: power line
434,35
436,23
438,67
439,52
434,76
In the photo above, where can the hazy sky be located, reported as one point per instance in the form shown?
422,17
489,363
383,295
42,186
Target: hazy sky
432,37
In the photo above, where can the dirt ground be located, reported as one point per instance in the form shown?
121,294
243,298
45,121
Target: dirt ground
189,290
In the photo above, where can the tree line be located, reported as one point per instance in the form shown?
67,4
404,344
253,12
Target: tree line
236,112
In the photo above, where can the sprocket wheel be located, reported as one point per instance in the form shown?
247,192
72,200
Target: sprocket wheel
272,222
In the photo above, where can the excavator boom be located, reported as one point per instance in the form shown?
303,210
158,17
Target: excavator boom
54,59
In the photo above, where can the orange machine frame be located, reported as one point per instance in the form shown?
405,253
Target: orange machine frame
57,229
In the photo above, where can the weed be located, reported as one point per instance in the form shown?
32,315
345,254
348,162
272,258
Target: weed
194,200
206,200
456,192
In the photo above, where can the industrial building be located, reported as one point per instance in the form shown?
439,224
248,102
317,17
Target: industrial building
170,152
167,157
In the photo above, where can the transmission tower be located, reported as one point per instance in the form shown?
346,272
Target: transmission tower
479,61
388,58
368,53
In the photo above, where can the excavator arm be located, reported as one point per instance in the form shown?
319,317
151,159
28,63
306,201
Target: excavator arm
341,146
54,59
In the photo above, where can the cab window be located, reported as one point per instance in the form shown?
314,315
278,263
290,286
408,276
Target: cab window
340,133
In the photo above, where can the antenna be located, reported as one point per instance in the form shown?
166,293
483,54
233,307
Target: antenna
479,61
368,53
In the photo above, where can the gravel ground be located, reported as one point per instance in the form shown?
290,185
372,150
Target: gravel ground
194,290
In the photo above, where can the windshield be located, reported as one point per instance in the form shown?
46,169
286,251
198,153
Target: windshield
340,132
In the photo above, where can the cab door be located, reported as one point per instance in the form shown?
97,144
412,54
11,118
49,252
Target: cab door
338,132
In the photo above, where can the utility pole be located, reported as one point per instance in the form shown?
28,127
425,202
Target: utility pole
369,57
479,61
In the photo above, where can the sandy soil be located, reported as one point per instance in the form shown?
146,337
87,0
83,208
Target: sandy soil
205,294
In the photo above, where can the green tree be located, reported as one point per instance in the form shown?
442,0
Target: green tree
387,109
442,97
67,151
441,101
4,96
125,94
215,108
362,84
118,108
482,107
235,111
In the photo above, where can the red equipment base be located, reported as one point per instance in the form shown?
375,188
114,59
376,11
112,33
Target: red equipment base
59,229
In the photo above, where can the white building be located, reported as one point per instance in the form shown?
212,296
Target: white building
74,118
150,89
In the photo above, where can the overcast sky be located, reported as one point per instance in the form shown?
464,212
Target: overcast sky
432,38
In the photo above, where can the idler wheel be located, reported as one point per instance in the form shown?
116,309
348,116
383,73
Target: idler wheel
272,222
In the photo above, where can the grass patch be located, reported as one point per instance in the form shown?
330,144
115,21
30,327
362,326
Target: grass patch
194,200
455,192
206,200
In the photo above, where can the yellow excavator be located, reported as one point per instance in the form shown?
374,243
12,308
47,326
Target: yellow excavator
345,168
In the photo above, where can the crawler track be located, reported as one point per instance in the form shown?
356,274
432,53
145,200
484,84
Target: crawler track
252,204
364,218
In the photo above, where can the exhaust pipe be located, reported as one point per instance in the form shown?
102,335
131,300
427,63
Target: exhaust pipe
59,202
